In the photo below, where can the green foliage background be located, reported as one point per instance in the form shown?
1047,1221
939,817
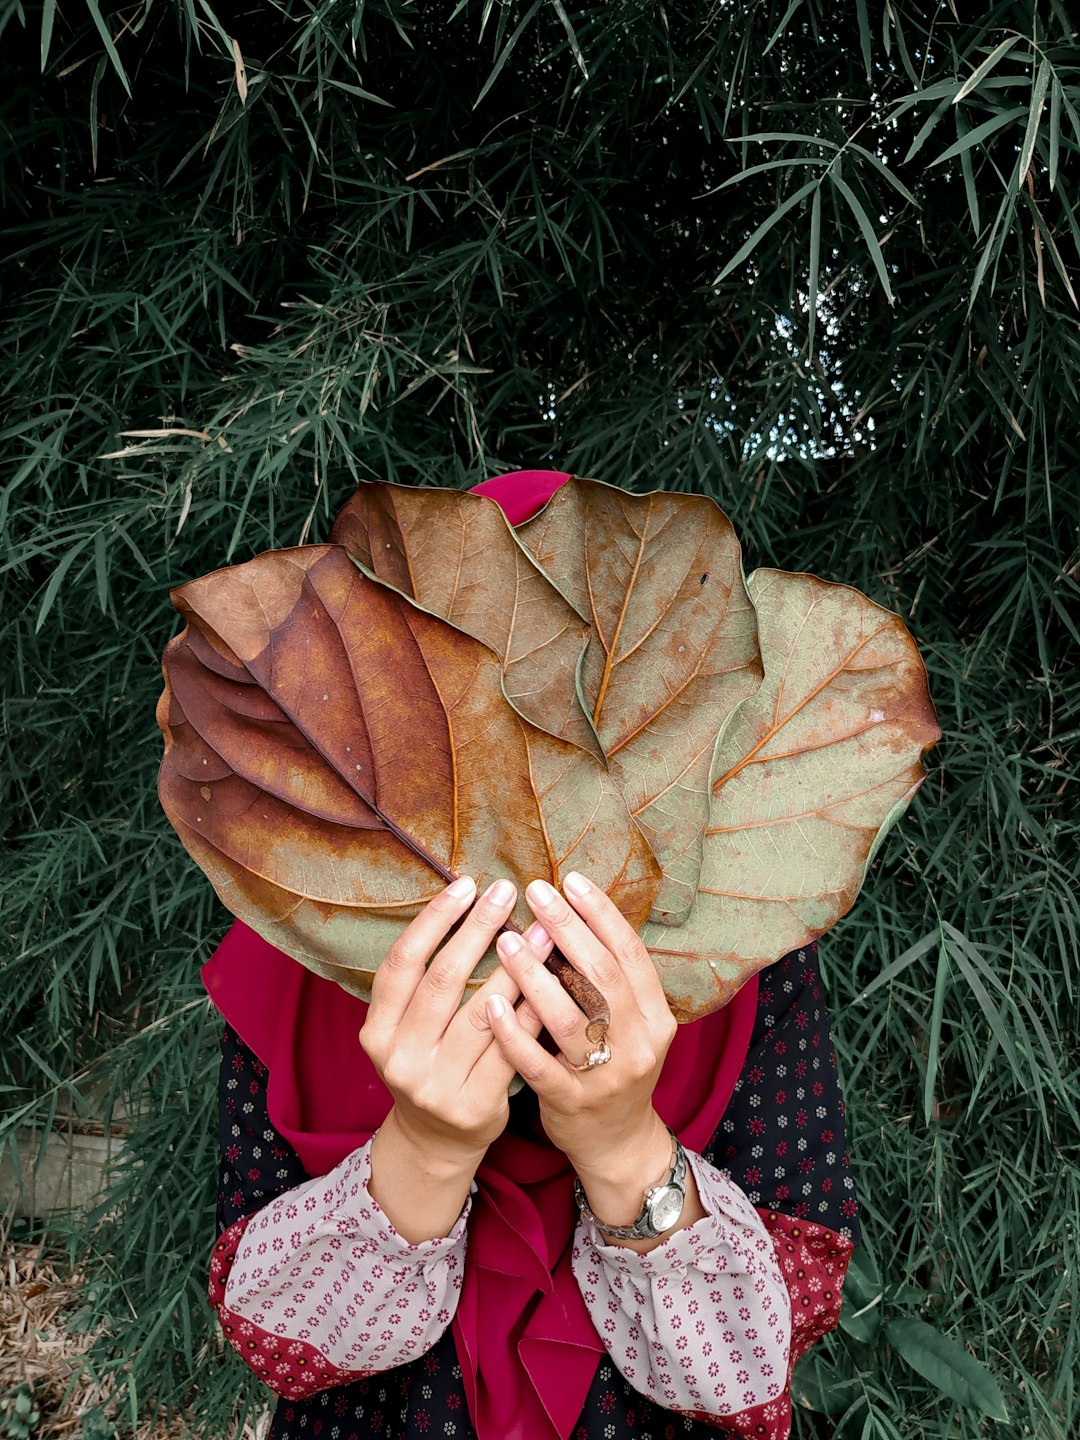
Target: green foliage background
817,261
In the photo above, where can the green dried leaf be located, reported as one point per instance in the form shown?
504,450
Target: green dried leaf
808,777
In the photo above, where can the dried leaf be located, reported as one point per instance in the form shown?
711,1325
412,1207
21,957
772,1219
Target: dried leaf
809,776
333,753
240,71
455,555
673,651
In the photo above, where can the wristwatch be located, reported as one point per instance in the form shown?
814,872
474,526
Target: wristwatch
660,1210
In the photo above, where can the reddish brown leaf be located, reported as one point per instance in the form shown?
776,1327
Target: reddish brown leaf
334,753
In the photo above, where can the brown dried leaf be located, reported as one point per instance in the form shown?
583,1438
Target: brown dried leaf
455,555
673,651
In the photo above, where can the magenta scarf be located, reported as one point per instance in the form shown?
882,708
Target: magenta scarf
527,1347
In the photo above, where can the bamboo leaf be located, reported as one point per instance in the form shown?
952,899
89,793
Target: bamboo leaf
979,74
860,1313
56,579
900,964
981,133
813,270
507,50
971,192
883,170
864,36
1043,230
784,19
969,962
101,571
772,136
95,85
48,16
869,235
933,1047
239,71
947,1365
110,49
784,163
763,229
1031,133
564,20
925,130
939,89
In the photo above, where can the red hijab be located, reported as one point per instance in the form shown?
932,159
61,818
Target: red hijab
527,1347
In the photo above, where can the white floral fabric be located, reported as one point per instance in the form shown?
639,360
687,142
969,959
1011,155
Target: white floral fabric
701,1324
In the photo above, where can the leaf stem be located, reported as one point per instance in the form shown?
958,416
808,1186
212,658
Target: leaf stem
579,988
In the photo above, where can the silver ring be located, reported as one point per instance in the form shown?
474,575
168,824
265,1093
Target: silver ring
600,1056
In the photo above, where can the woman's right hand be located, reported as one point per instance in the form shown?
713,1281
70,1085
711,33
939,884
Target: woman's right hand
438,1057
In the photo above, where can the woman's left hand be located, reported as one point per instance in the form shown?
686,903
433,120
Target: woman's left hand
603,1118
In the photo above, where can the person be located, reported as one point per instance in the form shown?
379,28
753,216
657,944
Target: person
646,1237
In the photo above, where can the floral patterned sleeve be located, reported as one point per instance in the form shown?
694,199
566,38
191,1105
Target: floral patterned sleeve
711,1323
313,1286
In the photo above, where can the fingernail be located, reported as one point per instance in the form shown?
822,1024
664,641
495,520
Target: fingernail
462,886
541,893
508,943
496,1007
576,885
500,893
537,935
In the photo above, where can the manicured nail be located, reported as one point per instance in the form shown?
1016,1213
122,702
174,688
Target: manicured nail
576,885
541,893
508,943
537,936
500,893
496,1007
462,886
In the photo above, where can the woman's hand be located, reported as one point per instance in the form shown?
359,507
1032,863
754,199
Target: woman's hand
602,1119
438,1059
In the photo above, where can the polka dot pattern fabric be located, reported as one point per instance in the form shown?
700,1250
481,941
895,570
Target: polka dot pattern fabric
781,1141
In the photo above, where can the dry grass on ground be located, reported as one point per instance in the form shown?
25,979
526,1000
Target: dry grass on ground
36,1350
40,1349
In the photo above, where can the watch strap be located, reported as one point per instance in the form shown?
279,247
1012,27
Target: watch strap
642,1228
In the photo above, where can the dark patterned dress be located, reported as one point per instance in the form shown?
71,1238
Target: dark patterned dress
781,1140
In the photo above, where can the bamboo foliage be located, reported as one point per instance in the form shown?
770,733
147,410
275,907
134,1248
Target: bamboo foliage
816,262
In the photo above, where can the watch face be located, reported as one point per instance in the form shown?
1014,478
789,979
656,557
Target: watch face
666,1208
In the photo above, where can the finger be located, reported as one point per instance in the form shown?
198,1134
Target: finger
469,1033
437,996
492,1067
584,950
562,1018
622,941
542,1072
402,968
